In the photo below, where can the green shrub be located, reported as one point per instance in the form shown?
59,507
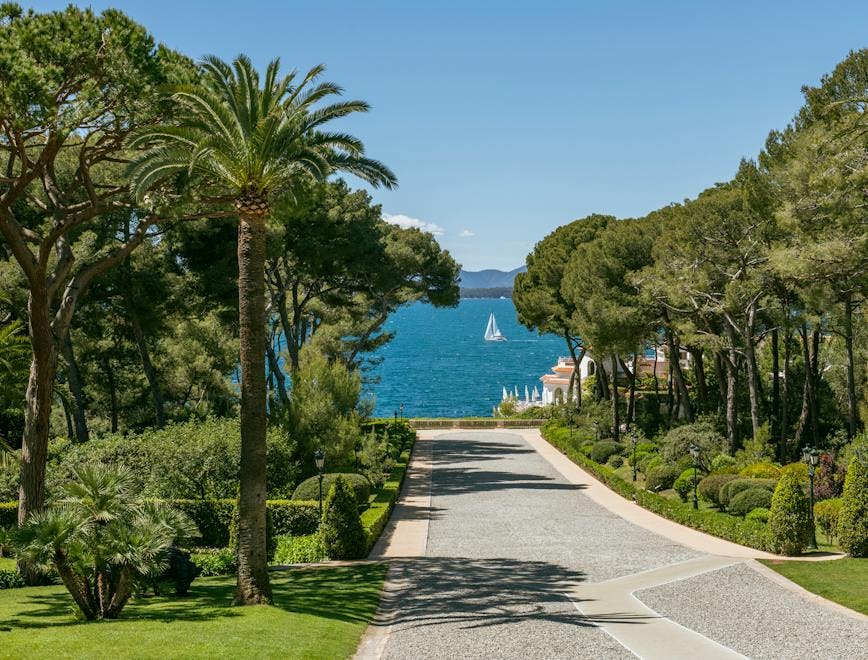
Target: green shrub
674,446
342,531
789,522
684,483
724,464
661,477
736,486
761,471
737,530
799,469
652,462
615,461
294,517
215,561
709,487
750,499
309,488
300,549
375,517
760,514
8,514
648,447
827,513
601,451
10,579
212,517
5,541
853,518
757,449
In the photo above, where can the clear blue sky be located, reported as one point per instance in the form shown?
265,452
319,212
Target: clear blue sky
506,119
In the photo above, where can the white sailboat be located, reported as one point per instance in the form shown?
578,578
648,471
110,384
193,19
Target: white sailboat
492,332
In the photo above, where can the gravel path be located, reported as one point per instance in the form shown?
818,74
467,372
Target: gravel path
519,563
743,610
508,539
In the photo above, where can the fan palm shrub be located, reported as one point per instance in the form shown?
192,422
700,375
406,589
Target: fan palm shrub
99,537
239,142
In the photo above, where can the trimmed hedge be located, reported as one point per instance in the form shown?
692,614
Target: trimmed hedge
733,488
661,477
789,522
10,579
309,488
709,487
375,517
853,517
744,532
601,451
684,483
215,561
342,532
750,499
761,471
760,515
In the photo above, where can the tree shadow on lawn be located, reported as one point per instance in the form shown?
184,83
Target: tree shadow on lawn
343,593
476,593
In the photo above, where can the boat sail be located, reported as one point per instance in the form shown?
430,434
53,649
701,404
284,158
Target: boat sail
492,332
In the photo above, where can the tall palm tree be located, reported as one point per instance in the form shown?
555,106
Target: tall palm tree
243,143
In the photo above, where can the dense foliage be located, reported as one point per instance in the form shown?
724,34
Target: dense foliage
342,532
789,522
853,515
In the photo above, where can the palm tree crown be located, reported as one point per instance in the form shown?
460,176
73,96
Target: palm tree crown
247,142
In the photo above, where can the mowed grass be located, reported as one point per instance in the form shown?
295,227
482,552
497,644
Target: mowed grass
844,581
318,613
7,564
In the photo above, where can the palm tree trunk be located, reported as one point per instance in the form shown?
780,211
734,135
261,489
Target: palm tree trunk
252,587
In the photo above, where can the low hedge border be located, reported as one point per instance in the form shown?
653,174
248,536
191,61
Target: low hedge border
375,517
214,517
744,532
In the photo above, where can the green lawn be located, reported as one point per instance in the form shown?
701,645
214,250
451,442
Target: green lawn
318,613
843,580
7,563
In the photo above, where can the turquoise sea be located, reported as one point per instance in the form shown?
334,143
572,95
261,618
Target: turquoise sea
438,364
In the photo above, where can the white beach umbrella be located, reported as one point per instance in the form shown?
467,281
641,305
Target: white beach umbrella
505,393
526,394
516,392
535,393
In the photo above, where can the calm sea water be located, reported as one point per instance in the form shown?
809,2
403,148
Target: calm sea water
438,364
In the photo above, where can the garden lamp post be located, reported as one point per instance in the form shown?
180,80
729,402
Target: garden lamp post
597,430
319,459
402,411
634,439
811,457
396,417
694,454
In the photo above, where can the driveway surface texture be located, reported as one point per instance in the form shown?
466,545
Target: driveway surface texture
494,553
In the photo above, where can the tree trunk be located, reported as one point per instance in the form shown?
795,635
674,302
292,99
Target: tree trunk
852,411
776,394
253,585
576,380
785,394
684,411
616,414
731,366
699,373
752,381
602,380
113,395
70,431
815,380
147,366
37,415
631,376
277,373
75,387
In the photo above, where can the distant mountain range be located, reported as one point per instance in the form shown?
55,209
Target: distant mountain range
489,278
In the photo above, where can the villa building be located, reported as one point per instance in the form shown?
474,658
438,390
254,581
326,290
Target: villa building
555,385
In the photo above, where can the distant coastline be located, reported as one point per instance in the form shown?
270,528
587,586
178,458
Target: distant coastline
487,292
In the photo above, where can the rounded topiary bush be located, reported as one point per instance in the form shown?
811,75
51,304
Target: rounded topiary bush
736,486
750,499
853,517
789,522
601,451
309,488
761,471
799,469
709,487
342,532
615,461
684,483
661,477
759,515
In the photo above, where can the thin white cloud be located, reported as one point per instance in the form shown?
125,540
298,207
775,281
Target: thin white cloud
406,222
466,233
